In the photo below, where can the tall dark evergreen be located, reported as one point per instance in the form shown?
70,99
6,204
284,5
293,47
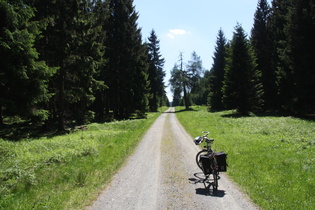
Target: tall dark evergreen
23,77
299,56
71,42
262,47
276,30
216,77
126,69
156,72
242,86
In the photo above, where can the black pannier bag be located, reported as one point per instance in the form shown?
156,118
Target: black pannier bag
221,161
205,163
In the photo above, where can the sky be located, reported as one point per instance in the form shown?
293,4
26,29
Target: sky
185,26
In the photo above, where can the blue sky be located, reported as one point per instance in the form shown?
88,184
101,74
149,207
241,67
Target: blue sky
186,26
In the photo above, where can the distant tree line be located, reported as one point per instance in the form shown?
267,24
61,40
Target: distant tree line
77,61
273,70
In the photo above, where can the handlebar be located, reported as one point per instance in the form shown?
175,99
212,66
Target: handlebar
199,139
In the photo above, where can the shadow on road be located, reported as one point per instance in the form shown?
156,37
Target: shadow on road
206,191
167,112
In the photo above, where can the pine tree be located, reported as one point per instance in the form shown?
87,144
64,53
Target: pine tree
156,72
242,86
262,48
217,73
23,77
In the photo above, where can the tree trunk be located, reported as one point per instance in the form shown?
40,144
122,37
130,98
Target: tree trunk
1,115
61,123
186,98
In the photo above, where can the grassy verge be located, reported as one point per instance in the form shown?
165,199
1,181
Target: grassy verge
272,158
66,172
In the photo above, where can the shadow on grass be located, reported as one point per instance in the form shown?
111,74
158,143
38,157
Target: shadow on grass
236,114
186,110
19,131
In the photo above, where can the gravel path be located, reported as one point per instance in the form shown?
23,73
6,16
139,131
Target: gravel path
158,174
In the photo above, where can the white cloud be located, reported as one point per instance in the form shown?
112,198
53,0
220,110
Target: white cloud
174,32
171,36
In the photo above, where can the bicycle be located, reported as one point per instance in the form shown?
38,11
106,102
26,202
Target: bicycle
210,162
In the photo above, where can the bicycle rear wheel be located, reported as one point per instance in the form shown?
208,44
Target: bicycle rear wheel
215,174
202,152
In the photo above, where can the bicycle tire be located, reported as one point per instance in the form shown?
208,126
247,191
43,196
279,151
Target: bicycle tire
202,152
215,174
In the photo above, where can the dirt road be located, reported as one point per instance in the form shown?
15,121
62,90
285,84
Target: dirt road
158,175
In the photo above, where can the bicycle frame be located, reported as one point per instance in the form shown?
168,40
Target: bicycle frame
206,161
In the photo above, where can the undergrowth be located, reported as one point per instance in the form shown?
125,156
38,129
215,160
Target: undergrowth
68,171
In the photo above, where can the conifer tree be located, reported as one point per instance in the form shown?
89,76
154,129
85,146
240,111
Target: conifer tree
242,85
262,48
299,56
71,42
127,66
276,31
23,77
216,77
194,70
183,80
156,72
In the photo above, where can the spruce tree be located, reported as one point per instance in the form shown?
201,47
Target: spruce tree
216,77
299,56
262,48
127,66
87,61
276,30
242,85
156,72
23,77
73,43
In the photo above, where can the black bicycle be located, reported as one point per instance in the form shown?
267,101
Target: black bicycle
210,162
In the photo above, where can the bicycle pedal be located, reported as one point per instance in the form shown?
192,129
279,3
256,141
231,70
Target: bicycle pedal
219,177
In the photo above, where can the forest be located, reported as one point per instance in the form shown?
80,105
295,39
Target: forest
77,61
271,70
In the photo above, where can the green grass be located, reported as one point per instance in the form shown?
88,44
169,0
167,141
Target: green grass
272,158
68,171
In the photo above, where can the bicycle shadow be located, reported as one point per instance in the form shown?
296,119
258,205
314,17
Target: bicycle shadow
206,191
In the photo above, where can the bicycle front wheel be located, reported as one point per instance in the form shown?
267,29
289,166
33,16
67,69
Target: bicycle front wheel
202,152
